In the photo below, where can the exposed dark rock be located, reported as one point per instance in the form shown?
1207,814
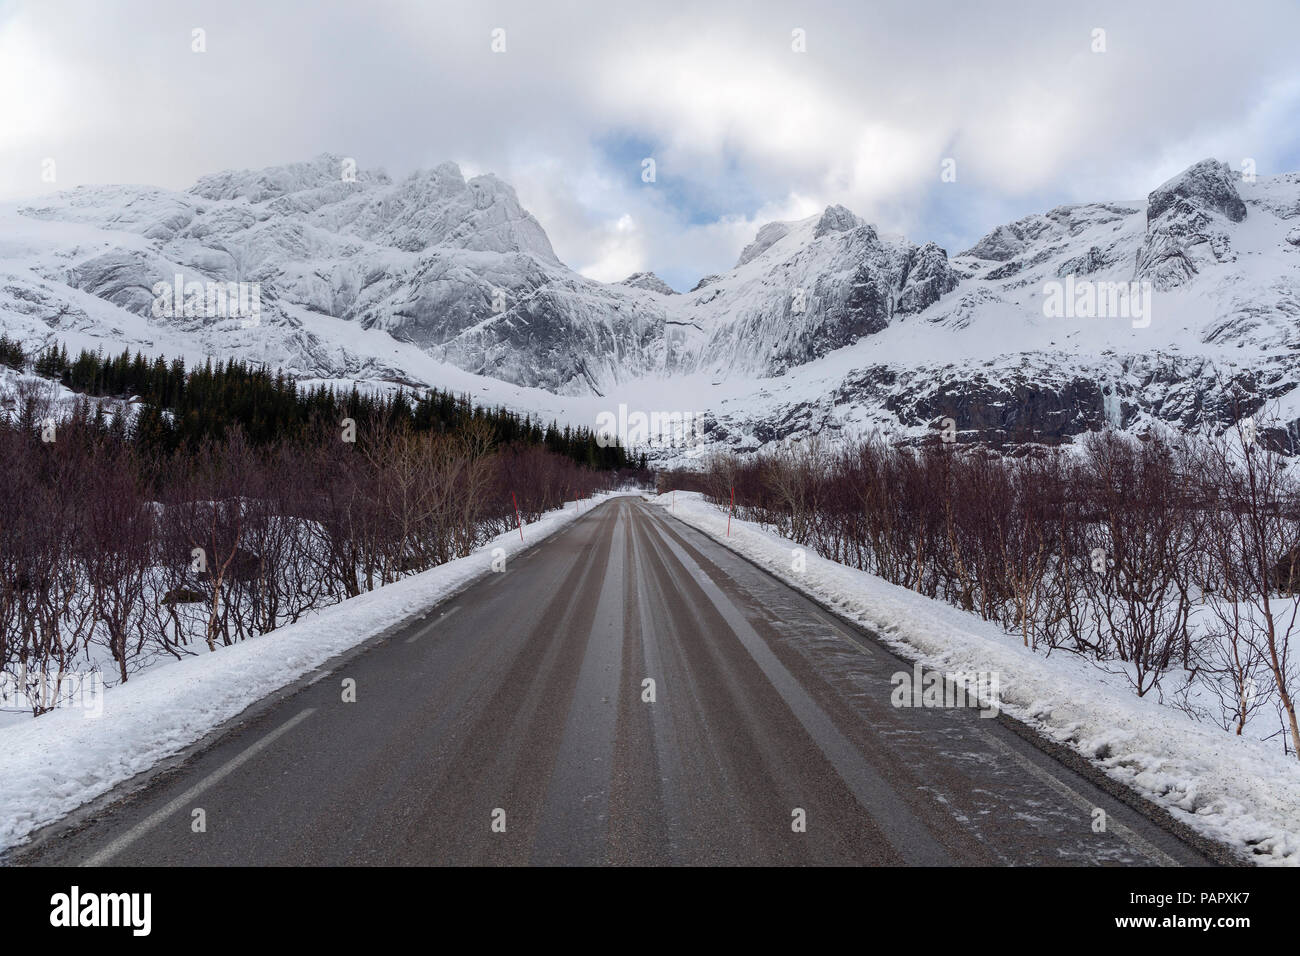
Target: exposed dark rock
1184,228
1005,271
1023,411
183,596
926,276
244,566
1092,261
1206,185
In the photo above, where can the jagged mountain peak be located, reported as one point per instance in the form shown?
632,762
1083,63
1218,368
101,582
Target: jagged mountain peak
836,218
1209,185
648,281
1189,224
272,182
430,207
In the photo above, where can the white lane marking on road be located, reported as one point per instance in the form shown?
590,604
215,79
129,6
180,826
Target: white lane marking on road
158,816
1141,844
839,632
900,827
423,631
1133,839
836,628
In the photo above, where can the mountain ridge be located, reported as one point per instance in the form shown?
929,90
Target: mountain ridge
359,272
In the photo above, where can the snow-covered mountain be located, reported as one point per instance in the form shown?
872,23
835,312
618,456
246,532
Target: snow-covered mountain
457,268
1219,340
822,325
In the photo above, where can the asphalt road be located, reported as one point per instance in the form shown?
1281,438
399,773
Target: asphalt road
512,725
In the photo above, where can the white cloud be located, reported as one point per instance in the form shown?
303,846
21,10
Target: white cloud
741,125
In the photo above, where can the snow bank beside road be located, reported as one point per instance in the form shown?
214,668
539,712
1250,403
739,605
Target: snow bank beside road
53,764
1233,789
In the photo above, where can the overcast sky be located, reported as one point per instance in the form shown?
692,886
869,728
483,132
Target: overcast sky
743,128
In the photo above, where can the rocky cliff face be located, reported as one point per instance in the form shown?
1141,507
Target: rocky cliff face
803,289
1187,224
1222,341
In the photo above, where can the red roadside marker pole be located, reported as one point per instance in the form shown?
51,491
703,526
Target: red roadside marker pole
521,524
733,508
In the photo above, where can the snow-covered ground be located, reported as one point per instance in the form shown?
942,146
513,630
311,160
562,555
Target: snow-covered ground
53,764
1237,790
